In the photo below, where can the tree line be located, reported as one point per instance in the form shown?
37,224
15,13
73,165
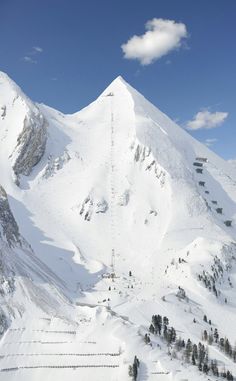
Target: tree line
192,353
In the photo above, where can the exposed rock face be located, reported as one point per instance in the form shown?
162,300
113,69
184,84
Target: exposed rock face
3,323
3,111
31,145
124,198
7,281
101,206
8,231
55,164
8,226
143,155
89,206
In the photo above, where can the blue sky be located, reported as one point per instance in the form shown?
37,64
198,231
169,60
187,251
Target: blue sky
65,52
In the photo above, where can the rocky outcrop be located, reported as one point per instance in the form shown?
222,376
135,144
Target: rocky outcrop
8,226
124,198
3,111
101,206
55,164
90,205
143,155
30,146
3,323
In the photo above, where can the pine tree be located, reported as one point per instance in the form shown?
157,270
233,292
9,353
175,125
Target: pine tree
201,353
216,335
234,354
195,351
151,329
188,350
179,344
146,339
136,361
165,333
165,320
229,376
222,342
133,369
205,335
172,333
214,368
227,346
157,323
205,368
210,339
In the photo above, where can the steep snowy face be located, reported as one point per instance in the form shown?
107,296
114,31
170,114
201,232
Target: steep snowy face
22,129
118,191
115,175
26,284
8,227
132,178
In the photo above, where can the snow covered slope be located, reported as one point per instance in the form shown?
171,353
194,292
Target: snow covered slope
127,216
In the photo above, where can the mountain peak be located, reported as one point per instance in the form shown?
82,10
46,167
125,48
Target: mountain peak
118,84
119,78
7,81
9,90
4,76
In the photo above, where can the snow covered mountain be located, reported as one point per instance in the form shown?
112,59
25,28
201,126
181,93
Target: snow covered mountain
108,217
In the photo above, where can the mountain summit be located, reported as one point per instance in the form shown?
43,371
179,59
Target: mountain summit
108,217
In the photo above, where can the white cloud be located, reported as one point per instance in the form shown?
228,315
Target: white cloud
29,59
210,142
161,37
206,119
34,51
37,49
